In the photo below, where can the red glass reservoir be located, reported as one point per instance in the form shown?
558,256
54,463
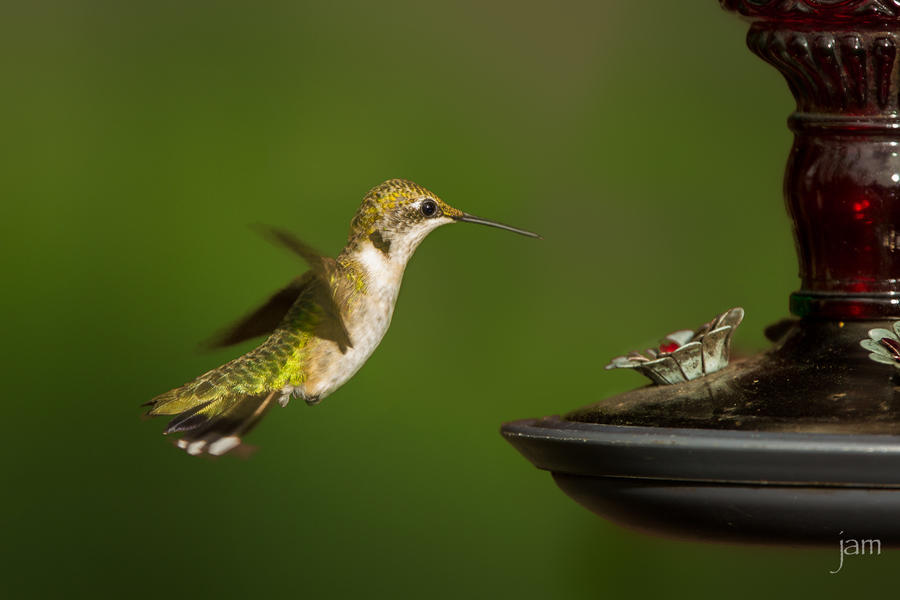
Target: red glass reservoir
839,58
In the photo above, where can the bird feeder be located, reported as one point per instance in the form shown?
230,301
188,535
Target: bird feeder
801,444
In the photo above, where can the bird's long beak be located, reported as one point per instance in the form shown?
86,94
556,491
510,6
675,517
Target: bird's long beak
467,218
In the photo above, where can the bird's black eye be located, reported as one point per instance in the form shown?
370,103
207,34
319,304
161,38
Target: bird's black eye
428,207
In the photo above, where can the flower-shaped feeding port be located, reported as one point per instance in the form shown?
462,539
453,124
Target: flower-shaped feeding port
884,345
685,355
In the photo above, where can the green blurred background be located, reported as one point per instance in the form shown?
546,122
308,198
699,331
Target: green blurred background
139,142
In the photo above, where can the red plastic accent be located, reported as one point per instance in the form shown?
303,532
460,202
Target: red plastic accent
669,347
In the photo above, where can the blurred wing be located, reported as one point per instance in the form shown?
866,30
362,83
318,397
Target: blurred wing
325,268
316,284
263,320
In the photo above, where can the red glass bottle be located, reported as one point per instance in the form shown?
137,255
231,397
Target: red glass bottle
842,185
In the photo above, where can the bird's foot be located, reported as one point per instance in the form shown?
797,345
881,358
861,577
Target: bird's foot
287,392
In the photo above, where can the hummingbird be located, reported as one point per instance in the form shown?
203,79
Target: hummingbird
321,328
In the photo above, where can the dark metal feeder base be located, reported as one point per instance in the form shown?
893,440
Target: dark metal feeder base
792,516
773,449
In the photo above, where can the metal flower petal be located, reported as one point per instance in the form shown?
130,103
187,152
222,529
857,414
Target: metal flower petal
884,345
685,355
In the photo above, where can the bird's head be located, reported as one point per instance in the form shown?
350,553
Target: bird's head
397,215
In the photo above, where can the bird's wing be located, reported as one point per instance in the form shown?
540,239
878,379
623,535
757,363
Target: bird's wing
321,265
261,321
326,269
316,283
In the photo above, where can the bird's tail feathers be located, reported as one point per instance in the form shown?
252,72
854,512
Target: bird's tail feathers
214,426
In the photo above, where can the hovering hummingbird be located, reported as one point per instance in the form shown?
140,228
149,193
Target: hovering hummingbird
322,327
